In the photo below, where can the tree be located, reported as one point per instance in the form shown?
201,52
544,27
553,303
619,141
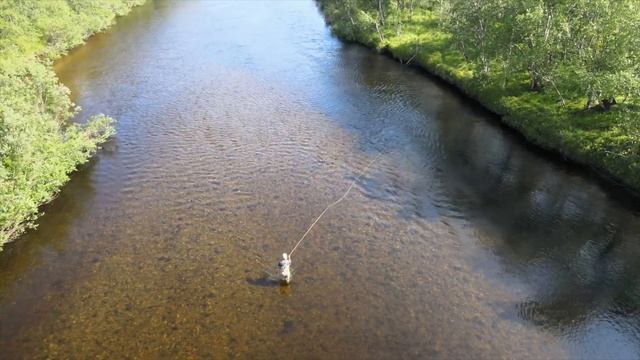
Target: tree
536,39
474,24
603,61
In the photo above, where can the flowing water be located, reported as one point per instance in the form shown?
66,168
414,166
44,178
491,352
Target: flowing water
238,123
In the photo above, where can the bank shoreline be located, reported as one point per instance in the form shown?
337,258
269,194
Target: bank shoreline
553,154
542,128
40,145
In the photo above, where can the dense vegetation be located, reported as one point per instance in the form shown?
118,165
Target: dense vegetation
565,73
39,146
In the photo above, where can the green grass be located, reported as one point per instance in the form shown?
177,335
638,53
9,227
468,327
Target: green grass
607,141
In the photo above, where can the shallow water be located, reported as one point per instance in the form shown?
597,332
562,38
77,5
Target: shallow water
238,123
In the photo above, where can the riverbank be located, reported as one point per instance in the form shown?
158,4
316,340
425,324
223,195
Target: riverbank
39,145
606,141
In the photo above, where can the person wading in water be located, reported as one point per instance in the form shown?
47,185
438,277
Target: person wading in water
285,268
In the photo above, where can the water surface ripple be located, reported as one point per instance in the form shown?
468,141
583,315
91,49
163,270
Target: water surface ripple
238,123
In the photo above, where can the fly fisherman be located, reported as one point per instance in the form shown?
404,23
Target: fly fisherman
284,266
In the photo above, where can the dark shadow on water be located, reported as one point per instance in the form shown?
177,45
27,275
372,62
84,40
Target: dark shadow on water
569,235
269,282
263,282
272,282
27,252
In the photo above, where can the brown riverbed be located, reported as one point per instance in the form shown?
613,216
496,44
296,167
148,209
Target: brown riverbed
238,123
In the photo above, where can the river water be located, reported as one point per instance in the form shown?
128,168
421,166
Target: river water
238,123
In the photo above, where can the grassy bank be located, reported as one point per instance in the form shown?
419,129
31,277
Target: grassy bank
39,146
605,140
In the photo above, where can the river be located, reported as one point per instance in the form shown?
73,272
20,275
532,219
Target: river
238,122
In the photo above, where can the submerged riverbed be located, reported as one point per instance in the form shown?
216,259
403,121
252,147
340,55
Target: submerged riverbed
238,123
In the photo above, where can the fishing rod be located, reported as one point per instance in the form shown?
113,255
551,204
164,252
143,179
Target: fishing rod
285,262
